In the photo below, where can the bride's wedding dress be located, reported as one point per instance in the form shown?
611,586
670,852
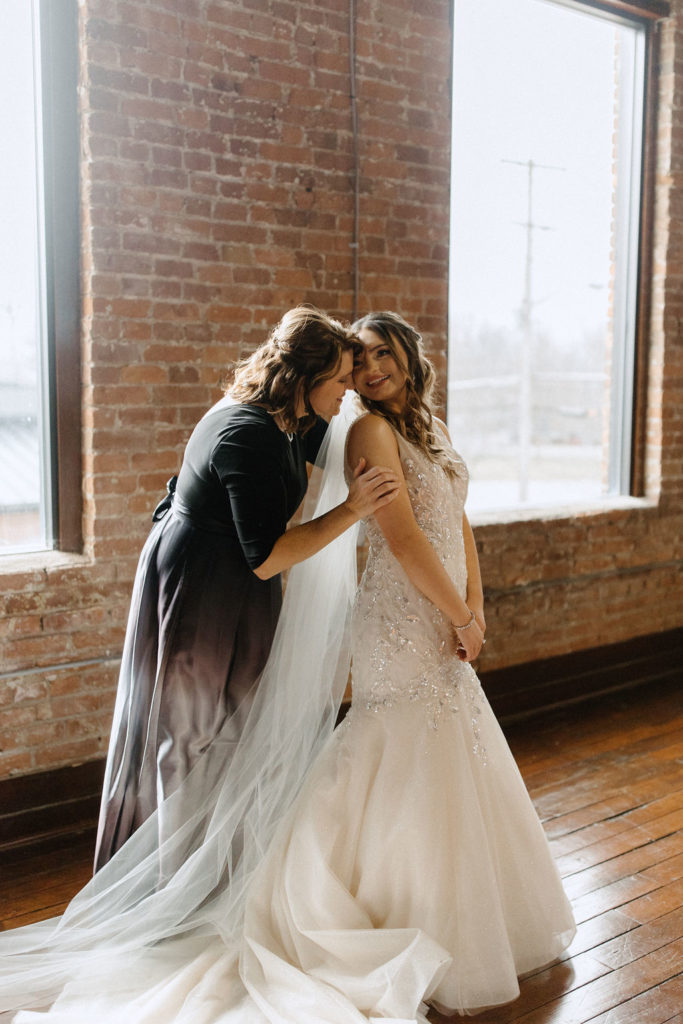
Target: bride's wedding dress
414,866
411,868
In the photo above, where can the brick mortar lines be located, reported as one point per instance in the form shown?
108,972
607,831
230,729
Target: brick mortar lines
247,240
584,578
62,666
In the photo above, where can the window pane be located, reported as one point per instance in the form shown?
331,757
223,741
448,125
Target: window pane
24,496
547,126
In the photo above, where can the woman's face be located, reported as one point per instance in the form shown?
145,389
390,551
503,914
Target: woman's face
326,397
377,375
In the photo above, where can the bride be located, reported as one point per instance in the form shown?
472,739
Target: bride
363,873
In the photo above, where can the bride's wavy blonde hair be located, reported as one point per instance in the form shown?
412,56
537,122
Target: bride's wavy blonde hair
304,349
416,422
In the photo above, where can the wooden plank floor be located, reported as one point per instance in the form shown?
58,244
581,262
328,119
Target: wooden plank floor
606,777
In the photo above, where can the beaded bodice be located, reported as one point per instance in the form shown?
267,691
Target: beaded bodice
403,647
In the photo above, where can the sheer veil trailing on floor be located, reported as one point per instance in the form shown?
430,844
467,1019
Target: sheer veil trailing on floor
187,869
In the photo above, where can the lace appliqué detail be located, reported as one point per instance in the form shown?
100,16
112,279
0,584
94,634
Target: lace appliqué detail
422,483
439,692
404,652
405,664
421,487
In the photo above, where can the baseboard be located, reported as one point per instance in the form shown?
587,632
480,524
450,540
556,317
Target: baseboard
522,690
49,811
52,810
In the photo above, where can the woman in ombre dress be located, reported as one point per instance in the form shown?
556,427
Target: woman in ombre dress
207,593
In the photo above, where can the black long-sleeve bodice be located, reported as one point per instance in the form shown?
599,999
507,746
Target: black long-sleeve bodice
244,477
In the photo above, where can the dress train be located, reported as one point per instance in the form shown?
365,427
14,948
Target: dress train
411,868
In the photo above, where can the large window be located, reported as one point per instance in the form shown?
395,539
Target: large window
25,499
39,333
548,114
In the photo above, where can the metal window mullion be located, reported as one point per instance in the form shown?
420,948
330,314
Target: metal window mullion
627,234
45,403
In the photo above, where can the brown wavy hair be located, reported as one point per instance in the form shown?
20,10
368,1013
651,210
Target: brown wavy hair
304,349
416,422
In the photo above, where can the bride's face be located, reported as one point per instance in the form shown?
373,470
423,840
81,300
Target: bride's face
326,397
376,373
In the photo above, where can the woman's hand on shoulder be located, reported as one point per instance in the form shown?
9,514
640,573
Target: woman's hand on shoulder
376,472
370,490
373,439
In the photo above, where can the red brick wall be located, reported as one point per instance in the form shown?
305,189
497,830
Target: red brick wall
216,193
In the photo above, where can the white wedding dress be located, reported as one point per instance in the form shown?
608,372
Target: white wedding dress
414,867
411,869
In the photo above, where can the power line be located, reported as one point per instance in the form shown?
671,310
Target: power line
354,244
526,369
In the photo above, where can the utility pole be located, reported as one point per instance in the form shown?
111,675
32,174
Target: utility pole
526,369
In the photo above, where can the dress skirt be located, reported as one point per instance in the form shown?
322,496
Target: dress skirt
413,869
199,632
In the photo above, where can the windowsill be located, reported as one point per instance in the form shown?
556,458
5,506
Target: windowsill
569,511
34,561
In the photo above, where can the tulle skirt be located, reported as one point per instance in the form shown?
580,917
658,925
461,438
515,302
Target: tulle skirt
412,870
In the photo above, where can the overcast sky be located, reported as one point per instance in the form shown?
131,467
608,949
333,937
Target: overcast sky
532,80
17,183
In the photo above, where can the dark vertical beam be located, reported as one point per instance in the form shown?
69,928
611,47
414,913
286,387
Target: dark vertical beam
645,264
61,146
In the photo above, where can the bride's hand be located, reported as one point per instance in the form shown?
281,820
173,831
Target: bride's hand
370,491
479,616
470,641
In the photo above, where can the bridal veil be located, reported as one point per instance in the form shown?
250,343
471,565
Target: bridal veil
186,871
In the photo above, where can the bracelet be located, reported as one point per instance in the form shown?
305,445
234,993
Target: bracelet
467,624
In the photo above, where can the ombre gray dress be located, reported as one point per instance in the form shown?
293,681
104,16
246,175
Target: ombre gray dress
201,623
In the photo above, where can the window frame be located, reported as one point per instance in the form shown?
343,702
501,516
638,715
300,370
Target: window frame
57,22
648,15
649,10
645,255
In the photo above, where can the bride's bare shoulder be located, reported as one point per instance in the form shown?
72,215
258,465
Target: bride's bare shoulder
370,426
372,439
